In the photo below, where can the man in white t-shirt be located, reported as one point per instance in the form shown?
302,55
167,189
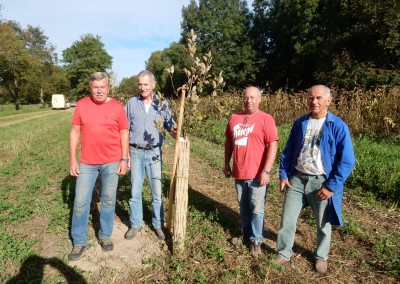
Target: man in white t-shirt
315,163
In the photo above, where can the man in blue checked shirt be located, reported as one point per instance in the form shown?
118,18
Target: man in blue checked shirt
148,116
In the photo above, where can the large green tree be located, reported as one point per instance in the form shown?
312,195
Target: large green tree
336,42
48,77
83,58
27,64
286,38
222,28
364,43
128,87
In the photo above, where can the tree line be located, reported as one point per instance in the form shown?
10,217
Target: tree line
278,44
291,44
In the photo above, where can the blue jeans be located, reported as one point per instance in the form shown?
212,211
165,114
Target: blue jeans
301,194
251,198
83,196
149,162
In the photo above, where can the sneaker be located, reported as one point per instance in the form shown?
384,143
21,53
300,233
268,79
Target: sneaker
160,234
321,266
282,261
255,248
106,244
131,233
76,252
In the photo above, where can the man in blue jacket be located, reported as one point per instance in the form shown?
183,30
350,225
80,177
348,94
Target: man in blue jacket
315,163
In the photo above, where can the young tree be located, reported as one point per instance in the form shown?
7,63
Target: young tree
83,58
177,55
222,27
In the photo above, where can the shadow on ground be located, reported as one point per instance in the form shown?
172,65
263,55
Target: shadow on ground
32,271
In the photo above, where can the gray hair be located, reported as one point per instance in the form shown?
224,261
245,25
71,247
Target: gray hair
98,76
145,73
327,90
252,87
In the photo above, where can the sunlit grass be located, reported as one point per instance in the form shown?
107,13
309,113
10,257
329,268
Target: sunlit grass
9,110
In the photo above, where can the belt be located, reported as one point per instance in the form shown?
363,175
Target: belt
144,148
298,173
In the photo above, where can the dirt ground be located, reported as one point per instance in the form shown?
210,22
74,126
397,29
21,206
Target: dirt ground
352,256
360,268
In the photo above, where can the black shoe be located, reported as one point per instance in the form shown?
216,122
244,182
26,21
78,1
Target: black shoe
160,234
131,233
106,244
76,252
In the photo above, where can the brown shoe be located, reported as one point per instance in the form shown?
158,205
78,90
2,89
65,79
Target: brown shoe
280,260
255,248
160,234
321,266
106,244
76,252
131,233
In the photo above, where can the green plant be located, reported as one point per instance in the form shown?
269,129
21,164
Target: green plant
387,248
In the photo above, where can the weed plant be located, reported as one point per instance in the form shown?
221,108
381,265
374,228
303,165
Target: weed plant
35,196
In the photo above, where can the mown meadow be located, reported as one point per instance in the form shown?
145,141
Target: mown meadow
37,193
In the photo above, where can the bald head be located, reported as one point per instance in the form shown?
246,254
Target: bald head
251,99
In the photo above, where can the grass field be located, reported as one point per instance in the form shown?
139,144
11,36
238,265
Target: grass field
36,200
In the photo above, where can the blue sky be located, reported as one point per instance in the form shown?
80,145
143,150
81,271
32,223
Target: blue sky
130,30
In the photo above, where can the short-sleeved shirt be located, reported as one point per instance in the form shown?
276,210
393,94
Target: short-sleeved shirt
100,130
249,135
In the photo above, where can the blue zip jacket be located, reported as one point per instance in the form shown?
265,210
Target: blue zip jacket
337,157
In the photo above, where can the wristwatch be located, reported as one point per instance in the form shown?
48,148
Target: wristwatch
125,160
268,172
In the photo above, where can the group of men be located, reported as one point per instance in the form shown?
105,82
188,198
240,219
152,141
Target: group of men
114,139
314,165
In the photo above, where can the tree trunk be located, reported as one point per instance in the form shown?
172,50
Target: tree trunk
41,97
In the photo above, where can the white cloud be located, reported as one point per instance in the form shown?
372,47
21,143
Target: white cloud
130,30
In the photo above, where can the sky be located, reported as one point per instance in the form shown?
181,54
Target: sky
130,30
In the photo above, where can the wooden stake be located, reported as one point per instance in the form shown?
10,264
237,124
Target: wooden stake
171,195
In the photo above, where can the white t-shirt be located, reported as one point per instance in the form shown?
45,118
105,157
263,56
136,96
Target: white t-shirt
147,107
310,160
